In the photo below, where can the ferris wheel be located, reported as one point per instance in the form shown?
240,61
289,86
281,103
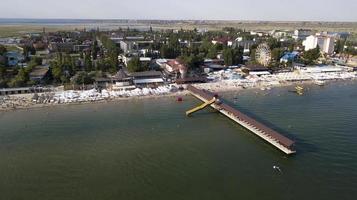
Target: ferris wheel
263,54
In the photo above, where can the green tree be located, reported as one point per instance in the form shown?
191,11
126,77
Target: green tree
276,54
228,56
134,65
233,56
212,52
311,55
20,79
3,50
3,82
62,68
192,61
82,78
88,65
35,61
351,50
113,52
113,60
167,51
273,43
28,50
205,46
238,55
2,71
340,45
95,50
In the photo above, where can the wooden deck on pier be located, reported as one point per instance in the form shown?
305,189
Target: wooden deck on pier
276,139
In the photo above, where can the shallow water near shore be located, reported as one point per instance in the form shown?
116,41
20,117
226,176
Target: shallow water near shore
149,149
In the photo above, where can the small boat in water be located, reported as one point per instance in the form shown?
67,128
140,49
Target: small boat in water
276,168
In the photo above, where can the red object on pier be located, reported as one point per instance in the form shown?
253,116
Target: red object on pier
179,99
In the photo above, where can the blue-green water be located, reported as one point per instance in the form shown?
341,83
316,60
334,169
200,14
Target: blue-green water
149,149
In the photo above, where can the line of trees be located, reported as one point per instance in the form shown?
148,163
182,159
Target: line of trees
22,78
3,82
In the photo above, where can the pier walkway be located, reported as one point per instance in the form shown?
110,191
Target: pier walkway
198,108
276,139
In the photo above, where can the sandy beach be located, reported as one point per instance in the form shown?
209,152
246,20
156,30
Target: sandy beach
25,101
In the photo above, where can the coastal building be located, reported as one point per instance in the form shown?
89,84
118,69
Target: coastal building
326,43
147,78
176,68
116,40
214,61
289,57
61,47
211,67
42,53
80,47
40,74
131,44
120,81
223,41
10,41
161,63
173,68
245,44
39,45
322,69
279,34
301,34
125,58
258,33
191,80
13,58
127,46
337,35
145,61
24,90
257,70
134,38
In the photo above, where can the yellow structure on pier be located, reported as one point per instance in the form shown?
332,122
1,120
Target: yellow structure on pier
299,90
198,108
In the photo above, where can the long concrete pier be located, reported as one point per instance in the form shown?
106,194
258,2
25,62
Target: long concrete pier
269,135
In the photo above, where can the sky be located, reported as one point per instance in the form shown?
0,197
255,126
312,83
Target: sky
265,10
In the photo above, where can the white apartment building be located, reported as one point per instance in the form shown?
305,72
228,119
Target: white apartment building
326,43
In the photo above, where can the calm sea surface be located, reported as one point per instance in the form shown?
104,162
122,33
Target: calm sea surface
149,149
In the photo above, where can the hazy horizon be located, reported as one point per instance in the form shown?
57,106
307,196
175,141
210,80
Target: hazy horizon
236,10
153,19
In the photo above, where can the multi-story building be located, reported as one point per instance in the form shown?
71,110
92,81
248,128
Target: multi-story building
326,43
245,44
